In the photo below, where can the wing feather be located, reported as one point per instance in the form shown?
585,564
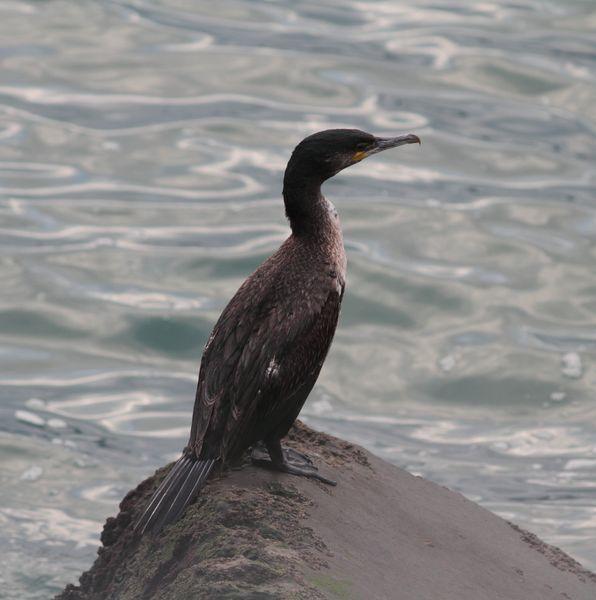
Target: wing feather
264,347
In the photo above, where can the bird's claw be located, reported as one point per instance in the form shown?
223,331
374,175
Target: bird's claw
294,463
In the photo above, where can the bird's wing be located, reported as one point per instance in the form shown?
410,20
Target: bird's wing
257,355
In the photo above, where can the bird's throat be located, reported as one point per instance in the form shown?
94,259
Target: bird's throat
307,209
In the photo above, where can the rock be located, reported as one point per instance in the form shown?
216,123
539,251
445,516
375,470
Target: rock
381,534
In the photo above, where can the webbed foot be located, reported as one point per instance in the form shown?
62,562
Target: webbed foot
286,460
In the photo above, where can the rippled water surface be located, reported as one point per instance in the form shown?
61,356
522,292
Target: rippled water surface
142,146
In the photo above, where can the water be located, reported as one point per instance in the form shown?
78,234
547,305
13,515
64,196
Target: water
142,146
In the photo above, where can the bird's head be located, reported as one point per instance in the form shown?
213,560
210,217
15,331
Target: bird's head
323,154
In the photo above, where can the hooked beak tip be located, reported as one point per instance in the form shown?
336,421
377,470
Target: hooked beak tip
410,138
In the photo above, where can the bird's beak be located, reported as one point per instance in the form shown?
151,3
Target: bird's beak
386,143
381,144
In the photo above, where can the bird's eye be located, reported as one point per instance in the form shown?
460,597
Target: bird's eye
362,146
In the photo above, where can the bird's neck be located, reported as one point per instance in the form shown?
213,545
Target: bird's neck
309,213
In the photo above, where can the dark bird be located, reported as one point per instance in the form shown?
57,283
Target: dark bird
269,344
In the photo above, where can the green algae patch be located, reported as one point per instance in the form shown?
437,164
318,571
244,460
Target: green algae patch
332,587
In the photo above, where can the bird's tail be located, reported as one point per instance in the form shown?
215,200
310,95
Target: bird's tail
176,491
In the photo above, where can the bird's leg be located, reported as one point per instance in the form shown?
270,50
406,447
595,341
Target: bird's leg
286,460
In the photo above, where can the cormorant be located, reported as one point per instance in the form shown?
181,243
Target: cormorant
268,346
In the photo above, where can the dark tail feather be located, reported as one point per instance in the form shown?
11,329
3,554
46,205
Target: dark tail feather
174,494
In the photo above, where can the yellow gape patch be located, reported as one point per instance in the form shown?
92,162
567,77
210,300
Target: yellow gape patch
359,156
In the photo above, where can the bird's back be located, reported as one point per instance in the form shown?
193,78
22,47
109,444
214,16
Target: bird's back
267,348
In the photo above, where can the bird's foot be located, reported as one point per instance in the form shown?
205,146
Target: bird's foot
288,461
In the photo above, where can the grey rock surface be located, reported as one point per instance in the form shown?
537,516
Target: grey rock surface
380,534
